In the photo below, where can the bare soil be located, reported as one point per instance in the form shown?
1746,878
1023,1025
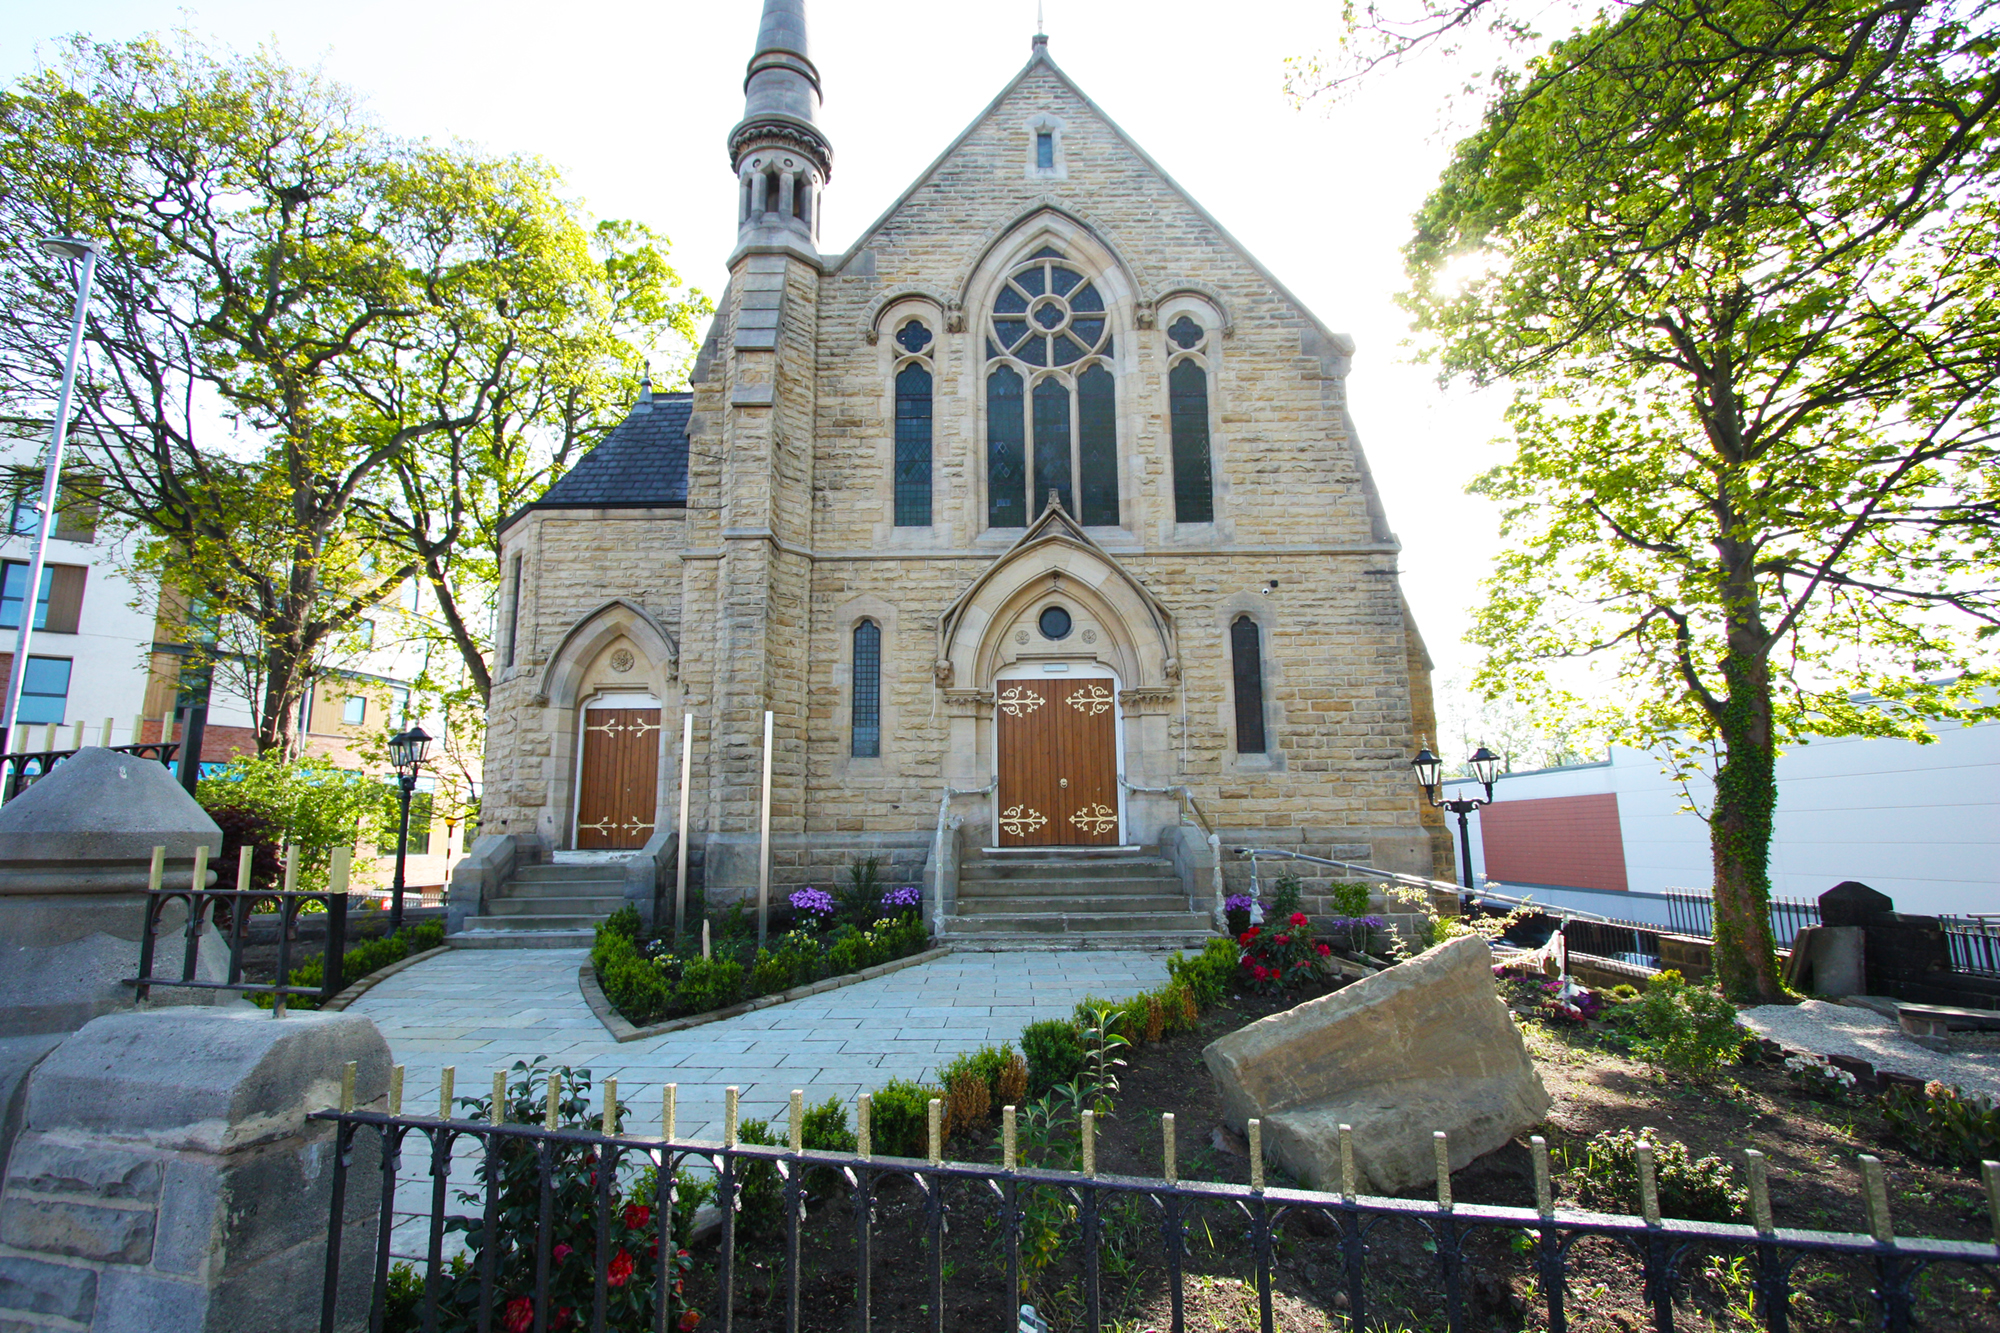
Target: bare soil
1812,1147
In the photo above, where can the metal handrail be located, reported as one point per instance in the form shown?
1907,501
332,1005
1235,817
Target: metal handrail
937,848
1191,806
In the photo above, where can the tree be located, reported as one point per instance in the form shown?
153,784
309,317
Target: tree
1739,262
292,309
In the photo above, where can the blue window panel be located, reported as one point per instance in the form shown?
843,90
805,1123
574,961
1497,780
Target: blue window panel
867,690
1187,400
1052,445
14,588
1097,446
1006,476
45,690
913,447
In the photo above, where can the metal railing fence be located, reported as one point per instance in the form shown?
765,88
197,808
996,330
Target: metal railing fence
23,768
522,1169
230,910
1974,942
1692,912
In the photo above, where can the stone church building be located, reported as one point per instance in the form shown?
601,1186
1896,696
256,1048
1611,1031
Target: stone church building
1032,514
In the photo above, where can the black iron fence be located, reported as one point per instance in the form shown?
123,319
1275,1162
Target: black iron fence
1628,941
1975,944
1692,912
24,767
563,1226
229,912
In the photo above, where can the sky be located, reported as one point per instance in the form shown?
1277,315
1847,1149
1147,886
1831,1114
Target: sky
633,102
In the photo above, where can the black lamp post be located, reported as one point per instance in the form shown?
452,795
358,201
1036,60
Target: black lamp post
407,751
1485,767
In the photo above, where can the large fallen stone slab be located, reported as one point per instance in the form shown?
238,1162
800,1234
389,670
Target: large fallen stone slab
1424,1046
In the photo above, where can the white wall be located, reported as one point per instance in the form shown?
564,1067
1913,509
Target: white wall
109,654
1921,823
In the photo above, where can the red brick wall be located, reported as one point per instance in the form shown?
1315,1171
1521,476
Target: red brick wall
1572,841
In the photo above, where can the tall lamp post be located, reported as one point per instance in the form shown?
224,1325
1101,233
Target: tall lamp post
84,254
407,751
1485,766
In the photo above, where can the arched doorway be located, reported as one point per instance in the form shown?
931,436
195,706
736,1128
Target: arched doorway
1057,739
618,772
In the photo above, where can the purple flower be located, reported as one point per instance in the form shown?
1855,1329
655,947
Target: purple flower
818,902
1238,902
907,896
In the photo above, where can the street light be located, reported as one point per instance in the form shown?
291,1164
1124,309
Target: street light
83,252
407,751
1485,766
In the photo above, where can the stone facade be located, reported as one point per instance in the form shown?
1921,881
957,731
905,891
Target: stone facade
746,599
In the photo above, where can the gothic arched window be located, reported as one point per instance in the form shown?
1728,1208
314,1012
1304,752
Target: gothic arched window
1248,659
1187,402
913,429
1049,325
867,691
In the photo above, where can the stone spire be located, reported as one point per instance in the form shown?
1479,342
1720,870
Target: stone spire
780,156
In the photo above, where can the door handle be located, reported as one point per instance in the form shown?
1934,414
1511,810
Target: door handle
1063,782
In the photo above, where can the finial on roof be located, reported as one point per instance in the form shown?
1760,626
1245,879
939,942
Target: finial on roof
645,403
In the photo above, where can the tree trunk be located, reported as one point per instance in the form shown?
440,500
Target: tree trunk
278,711
1746,796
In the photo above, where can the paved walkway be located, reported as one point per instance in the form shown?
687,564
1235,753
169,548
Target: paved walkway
481,1010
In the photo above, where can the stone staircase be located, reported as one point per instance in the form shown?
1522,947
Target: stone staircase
553,906
1071,898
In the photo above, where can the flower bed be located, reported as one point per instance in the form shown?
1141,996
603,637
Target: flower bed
648,979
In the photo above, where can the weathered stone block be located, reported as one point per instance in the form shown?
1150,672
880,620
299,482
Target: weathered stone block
45,1288
51,1166
1424,1046
79,1230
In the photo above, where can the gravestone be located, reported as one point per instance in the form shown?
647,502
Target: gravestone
75,852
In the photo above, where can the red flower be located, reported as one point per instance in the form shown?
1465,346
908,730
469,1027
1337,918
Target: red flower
636,1216
520,1315
620,1271
562,1317
1299,919
1284,939
688,1319
1324,949
562,1252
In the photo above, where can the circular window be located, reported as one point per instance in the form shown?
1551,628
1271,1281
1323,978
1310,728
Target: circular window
1055,623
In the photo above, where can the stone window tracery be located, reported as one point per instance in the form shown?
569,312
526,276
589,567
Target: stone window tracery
1051,402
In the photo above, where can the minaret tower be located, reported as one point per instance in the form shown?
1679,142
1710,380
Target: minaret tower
780,156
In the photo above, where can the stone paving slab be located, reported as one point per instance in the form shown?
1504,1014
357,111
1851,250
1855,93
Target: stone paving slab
483,1009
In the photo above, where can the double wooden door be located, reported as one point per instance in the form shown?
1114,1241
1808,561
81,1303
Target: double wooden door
1058,746
619,784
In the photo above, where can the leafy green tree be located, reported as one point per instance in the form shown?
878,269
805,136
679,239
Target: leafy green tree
305,801
1738,261
293,311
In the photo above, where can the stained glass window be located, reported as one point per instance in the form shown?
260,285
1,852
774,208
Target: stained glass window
1045,150
1006,477
913,446
1187,400
1097,447
1049,315
913,337
1052,445
1249,665
1185,333
867,690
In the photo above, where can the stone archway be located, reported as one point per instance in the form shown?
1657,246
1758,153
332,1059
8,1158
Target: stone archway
1058,607
617,651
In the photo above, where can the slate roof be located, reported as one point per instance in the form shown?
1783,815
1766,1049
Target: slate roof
642,462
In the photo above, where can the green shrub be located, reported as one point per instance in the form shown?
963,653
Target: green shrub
848,953
1054,1051
823,1128
1694,1189
1943,1124
760,1213
1209,973
1350,897
636,987
900,1123
357,962
625,921
1284,898
690,1193
770,974
708,983
860,898
1685,1029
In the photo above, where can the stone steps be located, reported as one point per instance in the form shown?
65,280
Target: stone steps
1170,901
1073,897
1071,888
552,906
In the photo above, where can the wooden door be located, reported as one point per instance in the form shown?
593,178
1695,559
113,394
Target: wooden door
1057,743
620,778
